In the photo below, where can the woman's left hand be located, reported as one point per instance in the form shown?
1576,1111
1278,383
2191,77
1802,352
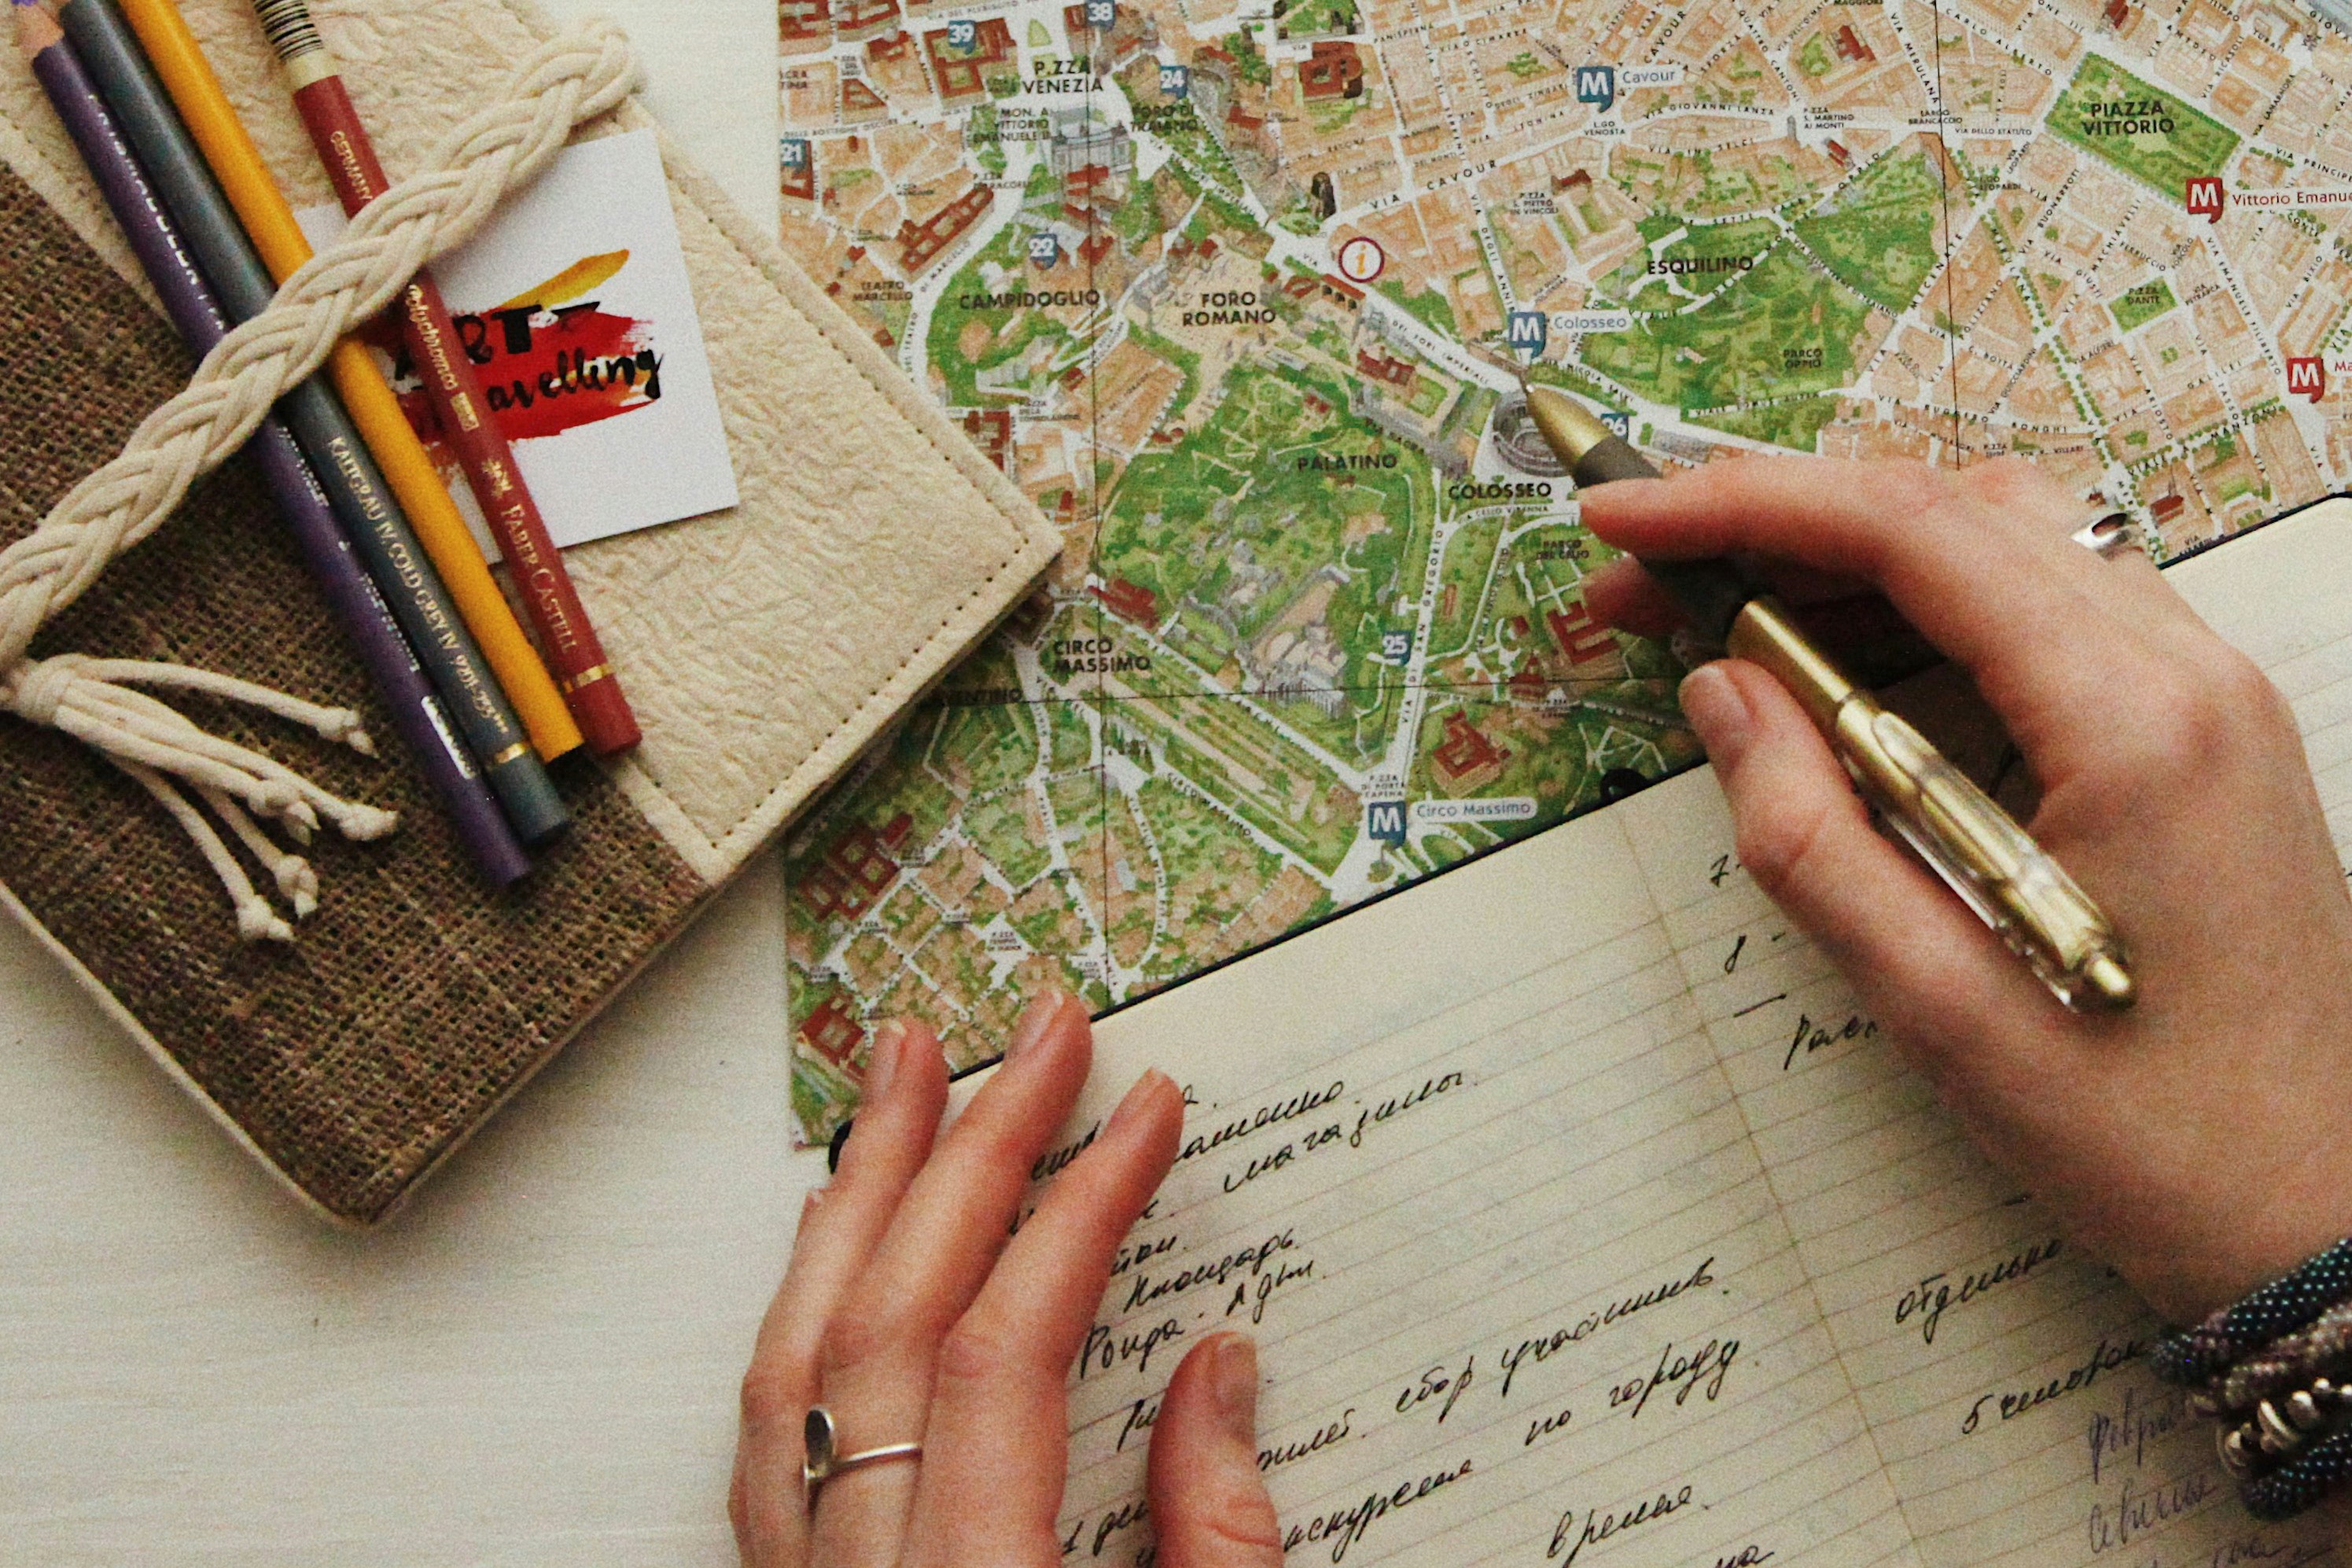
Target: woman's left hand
913,1313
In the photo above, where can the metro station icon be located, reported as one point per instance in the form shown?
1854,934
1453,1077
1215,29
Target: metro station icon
1596,85
2204,196
1384,821
1044,250
1175,81
2308,374
1528,329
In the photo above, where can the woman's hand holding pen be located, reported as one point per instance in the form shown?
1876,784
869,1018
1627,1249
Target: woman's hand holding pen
2189,1142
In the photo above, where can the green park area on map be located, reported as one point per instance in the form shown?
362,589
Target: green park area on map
1240,296
2147,132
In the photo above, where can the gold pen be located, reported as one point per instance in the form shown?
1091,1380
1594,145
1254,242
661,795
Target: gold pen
1994,865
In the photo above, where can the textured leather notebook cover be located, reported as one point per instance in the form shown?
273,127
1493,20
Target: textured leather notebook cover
764,647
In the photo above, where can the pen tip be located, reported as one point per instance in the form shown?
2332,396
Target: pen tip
1566,426
2110,984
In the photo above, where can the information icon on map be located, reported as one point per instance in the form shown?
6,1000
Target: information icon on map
1361,260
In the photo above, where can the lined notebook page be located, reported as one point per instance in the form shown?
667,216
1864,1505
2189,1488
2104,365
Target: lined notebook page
1582,1217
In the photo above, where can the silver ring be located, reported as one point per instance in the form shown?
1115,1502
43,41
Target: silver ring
2110,534
825,1460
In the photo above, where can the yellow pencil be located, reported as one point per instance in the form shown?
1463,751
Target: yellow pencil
262,207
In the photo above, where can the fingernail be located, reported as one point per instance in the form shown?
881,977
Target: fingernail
1233,1380
1712,704
1130,1104
1596,508
882,1057
1036,1021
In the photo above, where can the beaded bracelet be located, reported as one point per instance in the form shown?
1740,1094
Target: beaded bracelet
2281,1356
2280,1307
2286,1363
2294,1487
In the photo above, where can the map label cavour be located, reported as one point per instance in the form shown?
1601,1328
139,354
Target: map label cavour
1242,299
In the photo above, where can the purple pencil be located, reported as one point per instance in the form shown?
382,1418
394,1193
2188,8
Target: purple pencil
188,300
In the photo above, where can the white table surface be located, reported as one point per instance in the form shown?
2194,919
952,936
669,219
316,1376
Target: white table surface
537,1363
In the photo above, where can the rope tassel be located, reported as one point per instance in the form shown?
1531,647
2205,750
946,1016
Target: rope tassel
576,77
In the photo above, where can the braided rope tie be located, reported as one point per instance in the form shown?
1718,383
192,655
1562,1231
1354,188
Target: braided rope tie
574,78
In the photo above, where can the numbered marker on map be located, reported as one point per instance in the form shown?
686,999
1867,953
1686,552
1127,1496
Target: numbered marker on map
963,33
1044,250
1102,14
1175,81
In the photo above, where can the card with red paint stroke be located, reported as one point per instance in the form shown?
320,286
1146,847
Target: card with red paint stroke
576,307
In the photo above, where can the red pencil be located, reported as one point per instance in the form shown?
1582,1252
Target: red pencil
573,654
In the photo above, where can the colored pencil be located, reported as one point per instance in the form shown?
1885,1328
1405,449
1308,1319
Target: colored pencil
371,513
174,56
416,715
574,654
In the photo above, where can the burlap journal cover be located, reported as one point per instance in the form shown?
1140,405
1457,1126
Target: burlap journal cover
763,648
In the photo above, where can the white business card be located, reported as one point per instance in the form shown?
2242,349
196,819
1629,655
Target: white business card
574,306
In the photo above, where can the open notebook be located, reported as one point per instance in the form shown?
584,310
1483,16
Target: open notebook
1584,1218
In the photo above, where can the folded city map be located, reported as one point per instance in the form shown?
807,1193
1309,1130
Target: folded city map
1241,295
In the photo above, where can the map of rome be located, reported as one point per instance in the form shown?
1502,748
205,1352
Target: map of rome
1240,292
